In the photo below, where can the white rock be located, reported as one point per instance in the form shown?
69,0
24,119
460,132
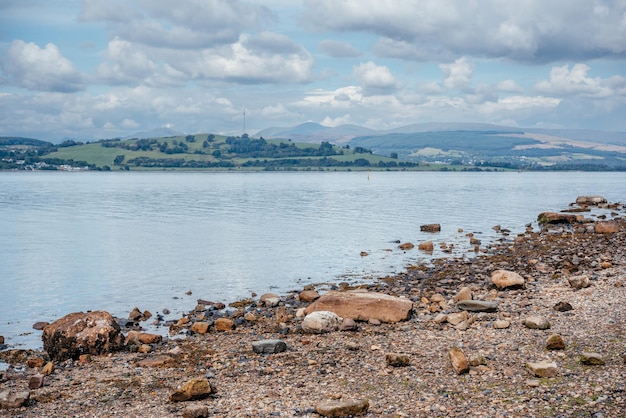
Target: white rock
320,322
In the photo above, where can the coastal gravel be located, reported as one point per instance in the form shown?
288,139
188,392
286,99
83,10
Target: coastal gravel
351,365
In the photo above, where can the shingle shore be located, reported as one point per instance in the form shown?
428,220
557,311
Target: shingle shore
501,349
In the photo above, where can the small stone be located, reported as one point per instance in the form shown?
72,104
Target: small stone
459,361
135,314
335,408
504,279
48,369
427,246
269,346
35,381
476,360
555,342
578,282
430,228
543,369
624,357
13,400
157,361
457,317
533,383
406,246
308,296
606,265
397,360
563,306
224,324
477,306
536,322
200,327
348,324
437,297
40,325
144,348
196,411
591,359
193,390
465,293
35,362
84,358
250,317
269,300
501,324
320,322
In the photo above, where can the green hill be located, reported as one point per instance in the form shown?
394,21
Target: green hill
208,151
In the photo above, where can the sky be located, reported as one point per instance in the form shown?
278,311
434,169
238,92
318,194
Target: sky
95,69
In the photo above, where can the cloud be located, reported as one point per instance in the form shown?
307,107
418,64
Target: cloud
191,24
338,49
41,69
527,30
374,79
125,63
457,74
575,81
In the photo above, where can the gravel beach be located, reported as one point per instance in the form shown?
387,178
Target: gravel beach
553,345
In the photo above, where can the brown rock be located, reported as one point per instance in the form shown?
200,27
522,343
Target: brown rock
79,333
607,227
543,369
397,360
504,279
135,314
308,296
35,362
335,408
196,411
465,293
591,359
590,200
501,324
430,228
193,390
48,369
40,325
363,306
224,324
559,218
562,306
536,322
13,400
35,381
200,327
156,361
459,361
457,317
406,246
578,282
134,337
555,342
427,246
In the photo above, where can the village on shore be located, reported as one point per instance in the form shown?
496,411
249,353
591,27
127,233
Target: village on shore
533,326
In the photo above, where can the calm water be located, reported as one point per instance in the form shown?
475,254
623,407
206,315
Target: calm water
87,241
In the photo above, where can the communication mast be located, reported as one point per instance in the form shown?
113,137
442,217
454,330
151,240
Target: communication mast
244,120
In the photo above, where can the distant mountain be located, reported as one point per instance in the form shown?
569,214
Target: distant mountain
155,133
452,126
316,133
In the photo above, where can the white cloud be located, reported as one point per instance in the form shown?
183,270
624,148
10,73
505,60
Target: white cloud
34,68
338,49
457,74
375,79
125,63
575,81
526,30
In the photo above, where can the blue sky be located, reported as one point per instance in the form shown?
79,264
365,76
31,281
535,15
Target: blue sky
96,69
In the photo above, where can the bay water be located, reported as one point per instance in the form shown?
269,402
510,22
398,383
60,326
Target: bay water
160,240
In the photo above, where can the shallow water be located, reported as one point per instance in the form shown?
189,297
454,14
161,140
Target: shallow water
87,241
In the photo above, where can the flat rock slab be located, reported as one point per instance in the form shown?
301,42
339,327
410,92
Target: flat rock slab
269,346
12,400
363,306
193,390
543,369
342,408
477,306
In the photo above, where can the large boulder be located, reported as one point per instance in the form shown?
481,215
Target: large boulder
82,333
606,227
363,306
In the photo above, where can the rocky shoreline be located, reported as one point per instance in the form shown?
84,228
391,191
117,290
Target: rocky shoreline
534,326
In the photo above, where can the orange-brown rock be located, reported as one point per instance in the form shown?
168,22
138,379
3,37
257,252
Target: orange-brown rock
430,228
308,295
406,246
192,390
134,337
224,324
78,333
156,361
607,227
427,246
363,306
200,327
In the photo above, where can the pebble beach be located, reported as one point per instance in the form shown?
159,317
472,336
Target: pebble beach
552,344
